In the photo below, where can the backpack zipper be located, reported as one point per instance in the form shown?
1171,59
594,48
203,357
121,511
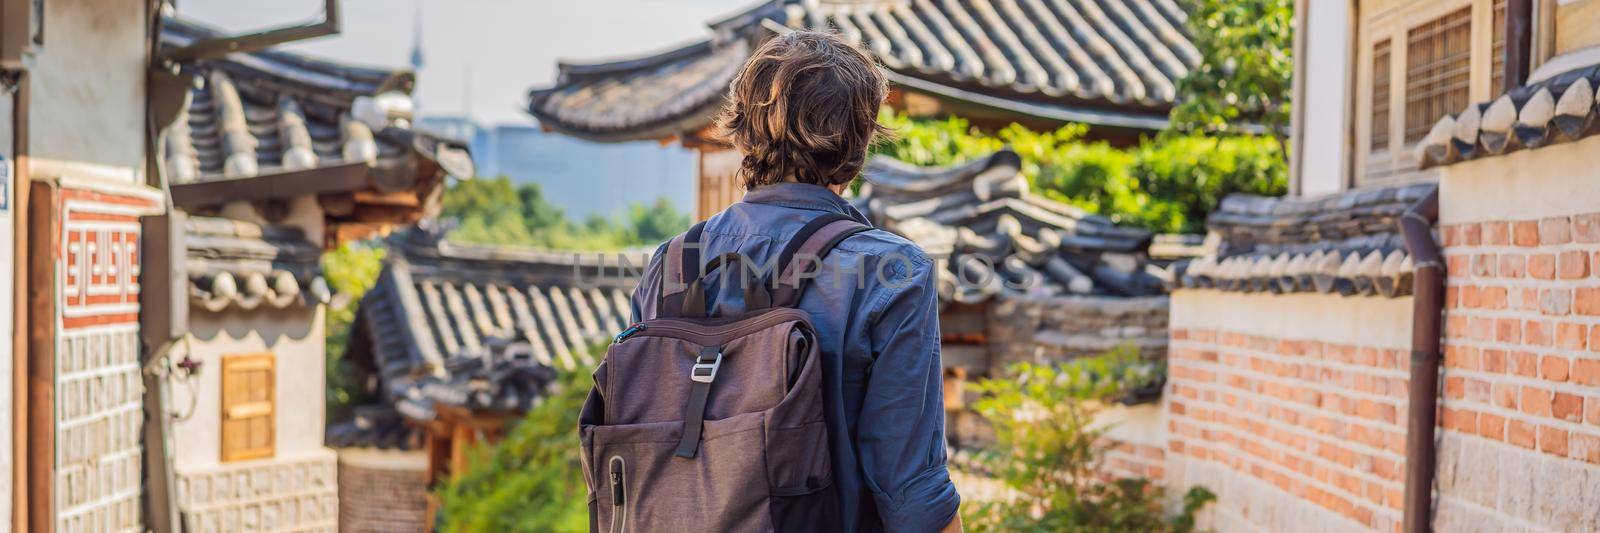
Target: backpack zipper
619,494
692,331
629,332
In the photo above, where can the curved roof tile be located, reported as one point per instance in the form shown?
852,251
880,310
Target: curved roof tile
991,238
1347,244
1560,108
482,327
1079,60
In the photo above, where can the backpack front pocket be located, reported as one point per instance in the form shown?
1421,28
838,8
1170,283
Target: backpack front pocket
710,492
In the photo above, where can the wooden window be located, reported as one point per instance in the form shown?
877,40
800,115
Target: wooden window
1497,54
248,382
1380,95
1438,71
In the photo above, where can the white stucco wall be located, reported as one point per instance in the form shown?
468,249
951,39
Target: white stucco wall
1558,180
87,90
7,288
1324,146
1382,322
295,337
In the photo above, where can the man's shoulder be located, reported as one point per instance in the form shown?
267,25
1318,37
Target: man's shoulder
885,245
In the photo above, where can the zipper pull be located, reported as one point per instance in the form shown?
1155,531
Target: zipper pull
629,332
617,495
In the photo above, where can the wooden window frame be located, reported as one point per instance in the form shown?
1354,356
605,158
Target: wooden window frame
234,410
1391,160
1382,87
1432,69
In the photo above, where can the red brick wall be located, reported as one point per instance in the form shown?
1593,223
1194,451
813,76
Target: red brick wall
1521,403
1292,433
1127,459
375,499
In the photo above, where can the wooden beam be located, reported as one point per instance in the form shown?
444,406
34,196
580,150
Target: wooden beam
20,333
396,198
344,177
40,390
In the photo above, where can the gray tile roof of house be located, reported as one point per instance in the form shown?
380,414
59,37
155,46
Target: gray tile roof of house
1561,108
279,115
375,426
979,221
244,266
1106,62
481,327
1347,244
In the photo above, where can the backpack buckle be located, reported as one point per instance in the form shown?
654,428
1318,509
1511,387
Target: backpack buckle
705,369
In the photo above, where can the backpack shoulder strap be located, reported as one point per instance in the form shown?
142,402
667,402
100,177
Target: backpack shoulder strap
681,262
804,253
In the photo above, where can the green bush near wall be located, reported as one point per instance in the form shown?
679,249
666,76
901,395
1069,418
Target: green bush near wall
1167,184
529,481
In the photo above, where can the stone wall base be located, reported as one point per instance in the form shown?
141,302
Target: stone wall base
1246,503
382,491
280,494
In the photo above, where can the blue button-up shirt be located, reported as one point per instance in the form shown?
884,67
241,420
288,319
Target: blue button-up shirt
875,310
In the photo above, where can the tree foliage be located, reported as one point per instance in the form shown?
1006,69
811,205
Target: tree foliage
1246,60
495,211
1048,449
351,270
532,480
1166,184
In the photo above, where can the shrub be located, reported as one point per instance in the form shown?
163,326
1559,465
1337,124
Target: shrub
351,270
529,481
1167,184
1048,449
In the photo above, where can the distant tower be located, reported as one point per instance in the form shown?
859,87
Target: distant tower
416,40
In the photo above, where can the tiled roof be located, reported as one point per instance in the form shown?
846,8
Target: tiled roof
241,265
1558,109
308,125
1347,244
978,220
1104,62
375,426
482,327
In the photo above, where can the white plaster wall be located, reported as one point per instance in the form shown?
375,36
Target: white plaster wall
1369,321
1143,424
87,89
7,290
1324,146
1558,180
295,337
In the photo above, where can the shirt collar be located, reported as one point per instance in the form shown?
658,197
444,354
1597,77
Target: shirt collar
804,196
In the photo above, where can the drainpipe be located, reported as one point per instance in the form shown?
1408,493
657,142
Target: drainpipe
1427,306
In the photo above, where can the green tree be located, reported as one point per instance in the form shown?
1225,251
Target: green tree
495,211
1246,60
351,271
1167,184
532,479
1053,470
656,223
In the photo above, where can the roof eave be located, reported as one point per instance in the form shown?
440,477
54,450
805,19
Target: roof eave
1061,113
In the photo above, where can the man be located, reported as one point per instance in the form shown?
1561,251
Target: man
803,112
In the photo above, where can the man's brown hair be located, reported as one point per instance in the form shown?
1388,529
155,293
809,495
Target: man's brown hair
804,108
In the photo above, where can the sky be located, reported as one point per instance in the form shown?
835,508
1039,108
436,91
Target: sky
480,57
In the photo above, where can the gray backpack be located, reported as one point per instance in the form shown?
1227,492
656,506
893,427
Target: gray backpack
700,423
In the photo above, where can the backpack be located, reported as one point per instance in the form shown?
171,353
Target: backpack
700,423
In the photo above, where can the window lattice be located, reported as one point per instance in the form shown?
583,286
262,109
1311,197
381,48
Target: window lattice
1497,62
1438,71
1380,95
